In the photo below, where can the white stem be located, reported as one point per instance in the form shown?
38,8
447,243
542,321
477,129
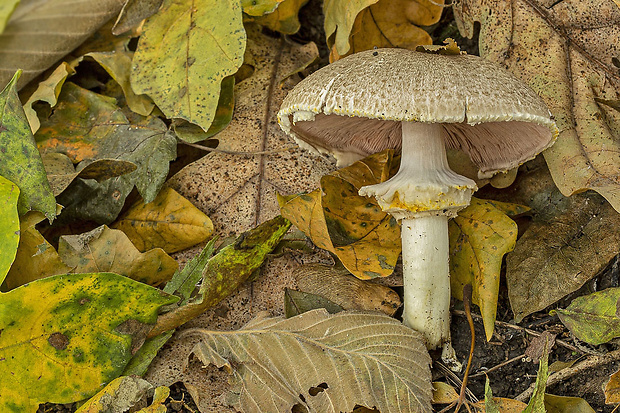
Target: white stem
427,277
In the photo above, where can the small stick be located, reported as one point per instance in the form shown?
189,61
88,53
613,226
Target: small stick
271,152
498,366
588,363
561,343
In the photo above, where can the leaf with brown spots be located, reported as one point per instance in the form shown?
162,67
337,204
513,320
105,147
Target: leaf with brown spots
565,50
59,340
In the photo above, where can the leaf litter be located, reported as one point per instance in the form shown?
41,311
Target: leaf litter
260,165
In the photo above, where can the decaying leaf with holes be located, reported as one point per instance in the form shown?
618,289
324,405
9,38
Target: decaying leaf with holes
302,361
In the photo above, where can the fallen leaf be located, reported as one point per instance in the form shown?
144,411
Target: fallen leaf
498,404
342,288
612,389
61,172
9,225
479,237
88,126
184,53
65,326
20,161
226,271
236,183
170,222
593,318
6,10
568,61
120,395
132,14
299,302
259,7
443,393
118,66
31,47
278,363
284,18
36,258
109,250
340,16
159,399
563,404
537,401
392,23
547,262
354,228
48,91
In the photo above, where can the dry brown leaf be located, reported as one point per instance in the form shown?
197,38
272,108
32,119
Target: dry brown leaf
325,363
612,389
564,50
392,23
244,195
342,288
41,32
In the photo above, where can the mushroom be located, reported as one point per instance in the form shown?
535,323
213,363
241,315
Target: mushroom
420,102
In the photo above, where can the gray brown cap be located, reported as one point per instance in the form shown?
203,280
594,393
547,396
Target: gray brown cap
485,110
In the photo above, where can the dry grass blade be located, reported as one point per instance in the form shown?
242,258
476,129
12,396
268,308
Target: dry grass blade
323,363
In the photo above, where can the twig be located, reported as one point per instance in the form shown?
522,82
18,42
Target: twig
271,152
588,363
561,343
498,366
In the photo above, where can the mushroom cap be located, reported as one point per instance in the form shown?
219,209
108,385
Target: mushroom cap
485,110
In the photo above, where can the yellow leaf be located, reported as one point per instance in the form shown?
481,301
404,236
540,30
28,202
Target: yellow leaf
392,23
503,405
36,258
109,250
185,51
353,227
383,23
443,393
612,389
479,237
570,63
283,19
170,222
119,395
61,336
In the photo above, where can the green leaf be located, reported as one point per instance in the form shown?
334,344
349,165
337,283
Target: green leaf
61,172
299,302
537,401
60,339
89,126
562,404
9,225
185,52
593,318
227,270
20,161
118,66
480,236
259,7
6,10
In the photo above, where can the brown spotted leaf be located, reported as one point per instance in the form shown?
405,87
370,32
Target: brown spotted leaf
565,51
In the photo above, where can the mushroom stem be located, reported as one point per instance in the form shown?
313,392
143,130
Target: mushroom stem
423,195
426,277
